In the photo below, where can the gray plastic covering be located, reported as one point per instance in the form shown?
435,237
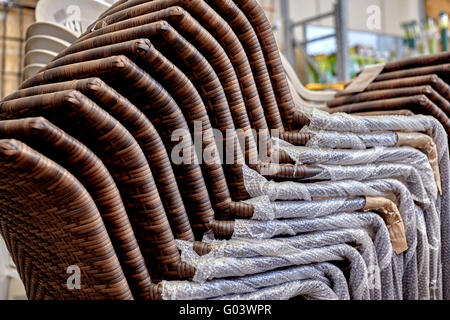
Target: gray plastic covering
349,140
308,289
264,209
257,185
416,274
387,162
210,267
383,170
325,272
377,260
341,122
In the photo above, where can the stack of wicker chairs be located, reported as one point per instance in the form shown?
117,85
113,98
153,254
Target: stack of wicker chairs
164,156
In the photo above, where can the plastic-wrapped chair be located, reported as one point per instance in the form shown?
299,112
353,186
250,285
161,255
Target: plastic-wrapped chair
308,289
381,95
210,267
378,257
427,169
49,201
183,290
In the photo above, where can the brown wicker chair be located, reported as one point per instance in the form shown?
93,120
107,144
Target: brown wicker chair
417,104
149,63
442,70
50,222
126,77
208,46
381,95
144,133
420,61
202,76
220,29
66,151
432,80
237,112
120,152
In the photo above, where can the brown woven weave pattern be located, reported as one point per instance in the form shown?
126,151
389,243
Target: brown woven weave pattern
115,146
429,60
144,133
202,76
54,143
129,80
442,71
263,29
238,116
223,33
187,96
246,35
208,46
428,80
35,191
427,91
418,104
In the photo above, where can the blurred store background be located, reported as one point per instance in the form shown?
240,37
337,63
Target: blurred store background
311,32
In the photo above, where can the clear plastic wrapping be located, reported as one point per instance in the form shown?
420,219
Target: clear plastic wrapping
387,162
325,272
378,257
343,122
348,140
210,267
308,289
264,209
257,186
